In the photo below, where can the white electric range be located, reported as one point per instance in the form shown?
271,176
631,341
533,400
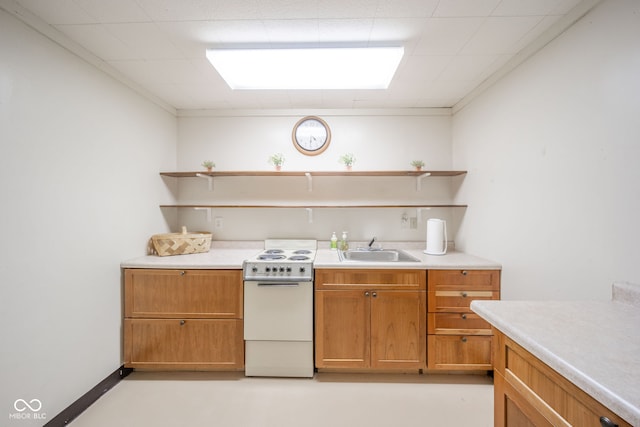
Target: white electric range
278,309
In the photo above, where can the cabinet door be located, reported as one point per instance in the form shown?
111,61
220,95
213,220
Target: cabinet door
183,293
342,329
513,410
192,344
398,329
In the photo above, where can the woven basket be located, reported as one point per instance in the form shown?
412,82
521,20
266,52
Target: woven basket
181,243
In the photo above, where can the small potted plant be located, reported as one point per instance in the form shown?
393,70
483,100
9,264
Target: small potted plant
277,160
209,165
348,160
418,164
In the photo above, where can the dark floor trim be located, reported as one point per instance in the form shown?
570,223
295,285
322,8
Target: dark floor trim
77,407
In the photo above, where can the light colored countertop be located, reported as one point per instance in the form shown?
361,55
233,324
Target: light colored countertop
326,258
594,344
230,255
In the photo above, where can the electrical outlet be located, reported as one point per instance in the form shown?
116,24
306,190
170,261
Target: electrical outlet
413,222
404,221
218,222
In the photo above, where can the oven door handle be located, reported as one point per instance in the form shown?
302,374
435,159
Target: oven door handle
280,285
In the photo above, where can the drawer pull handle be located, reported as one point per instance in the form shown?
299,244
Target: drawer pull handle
366,294
464,272
464,294
375,294
182,322
463,339
464,317
182,273
606,422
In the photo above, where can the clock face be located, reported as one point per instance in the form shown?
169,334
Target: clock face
311,135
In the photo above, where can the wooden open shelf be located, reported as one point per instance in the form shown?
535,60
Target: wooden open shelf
312,173
203,206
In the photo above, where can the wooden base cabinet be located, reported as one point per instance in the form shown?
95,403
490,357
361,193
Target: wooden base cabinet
458,338
528,393
183,319
370,319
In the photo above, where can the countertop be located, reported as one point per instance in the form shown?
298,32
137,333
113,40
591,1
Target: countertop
594,344
230,255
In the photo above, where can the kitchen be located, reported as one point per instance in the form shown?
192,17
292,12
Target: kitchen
551,189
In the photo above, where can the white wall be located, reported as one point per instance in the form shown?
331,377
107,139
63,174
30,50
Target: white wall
552,152
380,140
79,162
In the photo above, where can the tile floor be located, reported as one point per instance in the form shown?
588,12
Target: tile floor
336,400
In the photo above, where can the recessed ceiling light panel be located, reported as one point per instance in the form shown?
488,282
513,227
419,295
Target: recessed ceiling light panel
315,68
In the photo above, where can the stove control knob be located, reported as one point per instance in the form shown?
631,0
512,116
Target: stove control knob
254,269
302,269
267,269
281,269
288,269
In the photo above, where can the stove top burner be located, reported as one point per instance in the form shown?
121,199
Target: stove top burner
298,258
271,257
274,251
302,252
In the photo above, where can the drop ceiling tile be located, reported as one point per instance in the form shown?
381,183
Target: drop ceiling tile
447,36
525,7
297,30
564,6
98,40
113,10
536,31
178,10
465,8
467,67
58,12
237,32
191,38
145,40
346,9
288,9
500,35
420,68
234,9
405,31
344,30
406,8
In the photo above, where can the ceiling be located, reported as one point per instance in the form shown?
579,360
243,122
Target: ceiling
158,46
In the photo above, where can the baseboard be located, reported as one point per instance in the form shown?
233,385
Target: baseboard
86,400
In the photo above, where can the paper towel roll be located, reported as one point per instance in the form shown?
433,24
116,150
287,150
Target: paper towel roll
436,237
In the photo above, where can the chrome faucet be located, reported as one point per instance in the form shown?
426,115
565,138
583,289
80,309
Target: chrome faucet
370,246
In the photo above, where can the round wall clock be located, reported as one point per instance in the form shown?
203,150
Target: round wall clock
311,135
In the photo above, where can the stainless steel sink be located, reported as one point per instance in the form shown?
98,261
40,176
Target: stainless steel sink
376,255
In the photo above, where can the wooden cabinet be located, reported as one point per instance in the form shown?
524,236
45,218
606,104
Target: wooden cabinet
183,319
527,392
458,339
370,319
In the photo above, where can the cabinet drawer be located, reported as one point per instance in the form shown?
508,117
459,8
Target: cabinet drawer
337,279
457,301
183,293
184,343
459,352
464,279
457,324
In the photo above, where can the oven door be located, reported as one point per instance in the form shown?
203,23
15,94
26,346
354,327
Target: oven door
278,311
